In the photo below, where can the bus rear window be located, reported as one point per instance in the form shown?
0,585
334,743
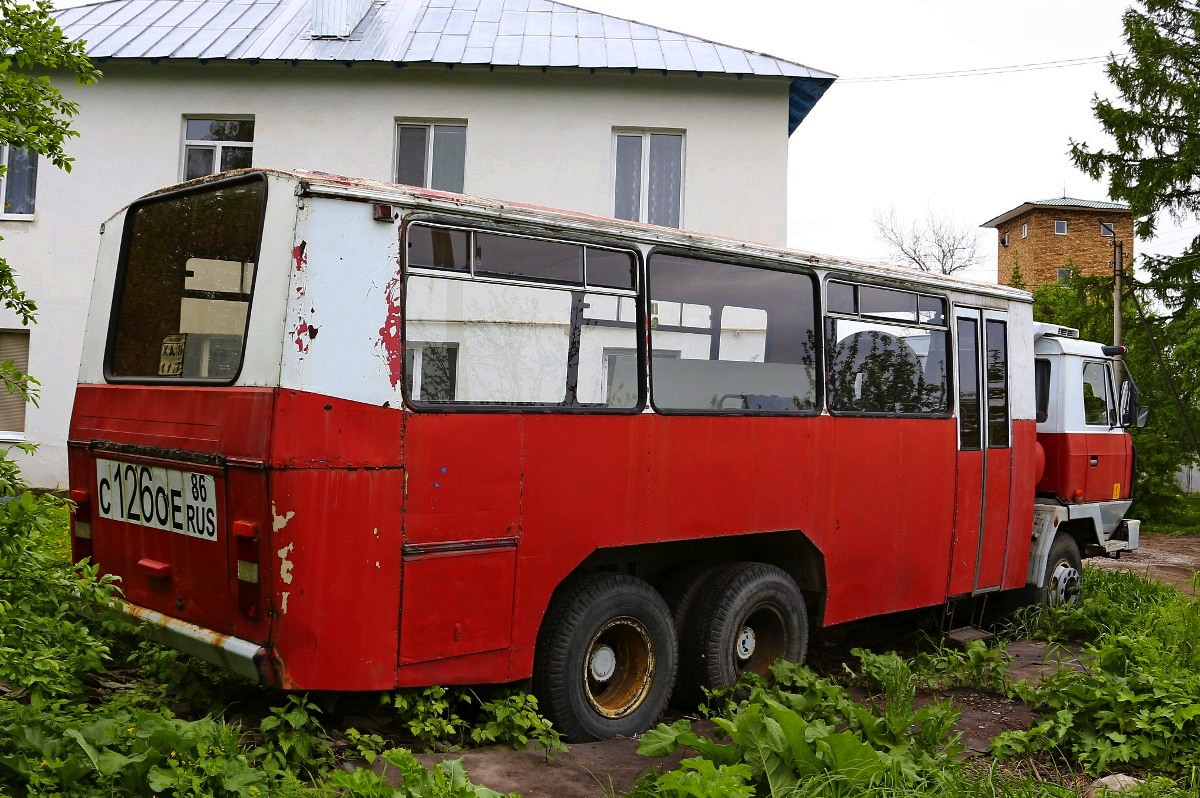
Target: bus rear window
184,286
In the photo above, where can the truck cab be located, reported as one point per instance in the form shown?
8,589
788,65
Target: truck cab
1086,403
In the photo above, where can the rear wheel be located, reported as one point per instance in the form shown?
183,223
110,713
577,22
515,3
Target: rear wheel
605,660
745,617
1064,568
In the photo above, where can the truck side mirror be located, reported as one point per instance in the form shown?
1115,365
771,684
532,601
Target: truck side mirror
1127,407
1143,414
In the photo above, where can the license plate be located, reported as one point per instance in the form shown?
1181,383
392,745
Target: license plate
160,498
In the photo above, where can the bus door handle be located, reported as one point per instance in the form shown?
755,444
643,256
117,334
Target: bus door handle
1094,461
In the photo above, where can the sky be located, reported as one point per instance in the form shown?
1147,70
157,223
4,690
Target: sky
965,148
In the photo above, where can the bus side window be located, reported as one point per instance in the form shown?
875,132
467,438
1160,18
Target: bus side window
526,321
886,353
731,337
1041,383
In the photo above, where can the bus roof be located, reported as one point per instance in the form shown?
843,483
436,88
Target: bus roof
313,183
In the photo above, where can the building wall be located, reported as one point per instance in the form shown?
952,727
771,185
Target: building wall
543,138
1040,256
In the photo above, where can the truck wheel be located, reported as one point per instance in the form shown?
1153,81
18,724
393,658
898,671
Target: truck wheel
1063,569
605,659
747,616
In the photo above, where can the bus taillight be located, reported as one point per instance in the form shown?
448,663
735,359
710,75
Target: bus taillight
246,535
81,524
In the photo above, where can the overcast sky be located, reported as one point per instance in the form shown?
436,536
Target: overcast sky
965,147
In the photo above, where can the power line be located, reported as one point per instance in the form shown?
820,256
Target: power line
997,70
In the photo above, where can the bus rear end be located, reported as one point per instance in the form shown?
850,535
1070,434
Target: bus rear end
169,439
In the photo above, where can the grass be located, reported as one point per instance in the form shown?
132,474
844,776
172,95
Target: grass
1179,520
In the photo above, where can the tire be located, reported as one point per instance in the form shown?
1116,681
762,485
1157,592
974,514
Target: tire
745,617
1064,567
605,659
683,585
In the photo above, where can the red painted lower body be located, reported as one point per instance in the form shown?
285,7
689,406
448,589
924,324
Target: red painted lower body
410,549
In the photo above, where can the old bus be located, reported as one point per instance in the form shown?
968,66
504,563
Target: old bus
346,435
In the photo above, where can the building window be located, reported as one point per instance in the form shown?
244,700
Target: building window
1106,229
216,145
1065,273
1025,230
1060,227
1004,239
19,184
648,177
431,155
14,346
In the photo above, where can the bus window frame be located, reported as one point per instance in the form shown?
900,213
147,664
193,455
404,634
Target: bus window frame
205,186
917,290
522,231
751,262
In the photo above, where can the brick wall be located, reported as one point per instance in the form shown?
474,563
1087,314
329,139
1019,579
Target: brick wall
1043,252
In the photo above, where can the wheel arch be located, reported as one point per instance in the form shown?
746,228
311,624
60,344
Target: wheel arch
791,550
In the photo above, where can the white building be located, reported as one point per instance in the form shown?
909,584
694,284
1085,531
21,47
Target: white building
525,100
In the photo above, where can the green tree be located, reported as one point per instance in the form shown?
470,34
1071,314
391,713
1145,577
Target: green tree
1155,123
1153,163
1085,302
36,117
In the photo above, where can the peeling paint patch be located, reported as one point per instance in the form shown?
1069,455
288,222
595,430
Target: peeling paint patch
283,597
286,565
278,521
302,339
300,256
390,339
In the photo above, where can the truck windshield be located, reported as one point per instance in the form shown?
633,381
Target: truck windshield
184,285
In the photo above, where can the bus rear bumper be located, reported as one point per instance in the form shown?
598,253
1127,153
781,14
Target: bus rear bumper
232,653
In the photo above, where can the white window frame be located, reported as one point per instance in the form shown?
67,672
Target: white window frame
431,124
15,435
216,146
1062,222
1025,230
12,217
1108,229
644,177
1004,239
419,348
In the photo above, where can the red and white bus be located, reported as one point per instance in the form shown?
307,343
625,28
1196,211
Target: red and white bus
339,434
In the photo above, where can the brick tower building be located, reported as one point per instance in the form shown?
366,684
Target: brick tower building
1041,239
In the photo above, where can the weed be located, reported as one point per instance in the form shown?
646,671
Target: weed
293,739
514,718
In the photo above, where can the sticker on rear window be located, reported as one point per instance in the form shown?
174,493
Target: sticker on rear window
159,498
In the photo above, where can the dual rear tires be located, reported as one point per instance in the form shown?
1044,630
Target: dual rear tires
611,645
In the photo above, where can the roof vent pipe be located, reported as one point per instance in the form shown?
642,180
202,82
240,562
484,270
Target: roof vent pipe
334,19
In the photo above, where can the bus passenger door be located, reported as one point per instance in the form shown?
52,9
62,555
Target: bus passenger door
981,525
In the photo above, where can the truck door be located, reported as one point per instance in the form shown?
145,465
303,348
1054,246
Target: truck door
984,472
1107,444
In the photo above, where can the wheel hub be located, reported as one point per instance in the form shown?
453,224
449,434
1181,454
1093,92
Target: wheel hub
603,663
618,667
1064,584
746,643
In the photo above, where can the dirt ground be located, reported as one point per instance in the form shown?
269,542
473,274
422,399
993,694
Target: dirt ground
610,768
1174,560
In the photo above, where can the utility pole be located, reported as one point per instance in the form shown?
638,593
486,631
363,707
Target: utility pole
1118,272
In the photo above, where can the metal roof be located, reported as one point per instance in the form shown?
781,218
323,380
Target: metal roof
520,33
1057,202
